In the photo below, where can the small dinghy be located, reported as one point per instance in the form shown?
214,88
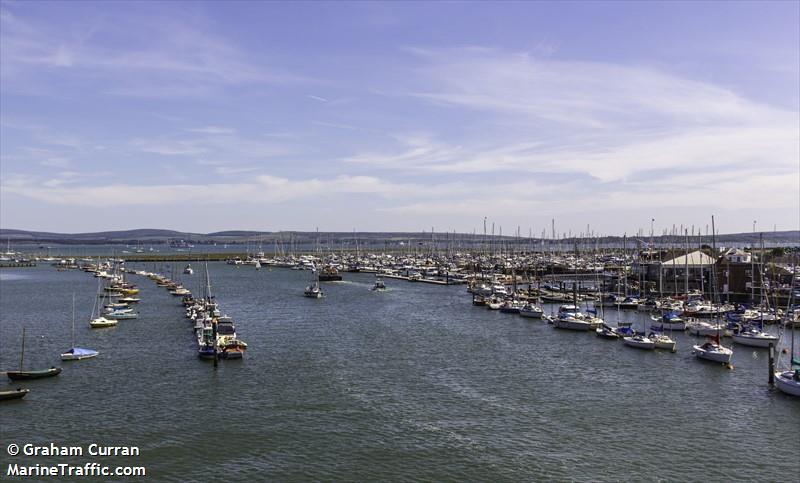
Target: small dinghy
78,353
18,393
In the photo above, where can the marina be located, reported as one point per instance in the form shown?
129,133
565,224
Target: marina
405,362
375,241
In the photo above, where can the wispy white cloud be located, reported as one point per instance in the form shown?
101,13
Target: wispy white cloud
160,58
336,125
169,148
233,170
214,143
602,120
213,130
56,162
260,189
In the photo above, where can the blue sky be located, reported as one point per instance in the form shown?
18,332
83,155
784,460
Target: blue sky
399,116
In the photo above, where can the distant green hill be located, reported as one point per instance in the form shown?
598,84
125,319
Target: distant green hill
243,236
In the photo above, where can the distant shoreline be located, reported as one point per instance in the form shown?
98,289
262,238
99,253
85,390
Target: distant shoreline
175,238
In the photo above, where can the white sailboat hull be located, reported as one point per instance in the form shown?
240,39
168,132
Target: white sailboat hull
72,357
645,344
704,329
755,341
665,344
572,324
786,384
723,356
662,326
102,322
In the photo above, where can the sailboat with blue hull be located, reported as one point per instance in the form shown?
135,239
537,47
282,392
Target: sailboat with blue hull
77,353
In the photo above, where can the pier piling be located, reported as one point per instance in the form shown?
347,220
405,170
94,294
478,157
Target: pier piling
771,363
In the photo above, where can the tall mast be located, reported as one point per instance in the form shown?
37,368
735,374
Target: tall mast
22,353
686,267
753,269
761,277
625,263
713,281
73,319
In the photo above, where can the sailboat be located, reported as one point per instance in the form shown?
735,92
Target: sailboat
314,290
754,336
21,374
570,316
98,321
639,340
788,380
379,285
712,349
76,353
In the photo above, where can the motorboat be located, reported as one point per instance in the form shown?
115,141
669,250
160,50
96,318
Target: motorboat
511,307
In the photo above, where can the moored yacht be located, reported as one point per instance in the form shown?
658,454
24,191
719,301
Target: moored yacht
662,341
532,311
639,341
668,321
753,336
712,350
313,291
571,318
101,322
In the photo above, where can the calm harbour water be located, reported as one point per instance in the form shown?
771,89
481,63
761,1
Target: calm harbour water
410,384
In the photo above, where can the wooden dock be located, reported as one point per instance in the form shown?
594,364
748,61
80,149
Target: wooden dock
432,281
